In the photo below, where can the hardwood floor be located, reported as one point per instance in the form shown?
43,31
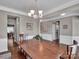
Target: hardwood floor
14,53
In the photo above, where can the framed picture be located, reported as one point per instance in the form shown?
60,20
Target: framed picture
65,26
29,26
44,28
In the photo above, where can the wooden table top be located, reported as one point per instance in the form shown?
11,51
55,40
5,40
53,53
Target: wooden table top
41,49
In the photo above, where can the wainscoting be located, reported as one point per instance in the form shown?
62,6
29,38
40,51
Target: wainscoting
66,39
3,45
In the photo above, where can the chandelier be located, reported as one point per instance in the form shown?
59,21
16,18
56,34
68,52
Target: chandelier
35,13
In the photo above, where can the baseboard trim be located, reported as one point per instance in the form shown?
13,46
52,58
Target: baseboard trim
1,53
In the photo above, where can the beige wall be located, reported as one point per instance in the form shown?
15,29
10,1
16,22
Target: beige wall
75,29
66,30
3,26
35,28
66,22
46,27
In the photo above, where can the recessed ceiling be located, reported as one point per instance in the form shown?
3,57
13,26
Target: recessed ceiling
25,5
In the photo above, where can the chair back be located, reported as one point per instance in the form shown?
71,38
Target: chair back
71,51
74,49
21,37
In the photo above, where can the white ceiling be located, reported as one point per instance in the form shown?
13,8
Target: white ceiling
70,11
25,5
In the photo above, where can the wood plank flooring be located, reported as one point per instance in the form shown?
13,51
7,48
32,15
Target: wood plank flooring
14,52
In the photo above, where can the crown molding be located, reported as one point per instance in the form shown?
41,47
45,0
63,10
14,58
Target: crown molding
66,5
60,17
3,8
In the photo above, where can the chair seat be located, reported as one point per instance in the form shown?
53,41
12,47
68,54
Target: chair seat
65,56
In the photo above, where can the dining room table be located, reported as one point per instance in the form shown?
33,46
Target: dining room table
41,49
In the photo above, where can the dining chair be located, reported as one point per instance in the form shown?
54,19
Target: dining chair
74,51
21,37
71,52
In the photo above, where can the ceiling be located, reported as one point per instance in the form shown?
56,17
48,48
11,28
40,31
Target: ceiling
25,5
67,11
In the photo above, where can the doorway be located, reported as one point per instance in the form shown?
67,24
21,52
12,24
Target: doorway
57,28
11,29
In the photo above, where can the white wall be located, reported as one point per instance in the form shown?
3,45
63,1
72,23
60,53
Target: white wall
3,33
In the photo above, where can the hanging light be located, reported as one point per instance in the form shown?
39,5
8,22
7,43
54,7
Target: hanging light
35,16
32,11
40,11
29,14
36,13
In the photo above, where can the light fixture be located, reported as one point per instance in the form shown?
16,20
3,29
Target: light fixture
63,14
35,13
29,14
32,11
40,11
35,16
